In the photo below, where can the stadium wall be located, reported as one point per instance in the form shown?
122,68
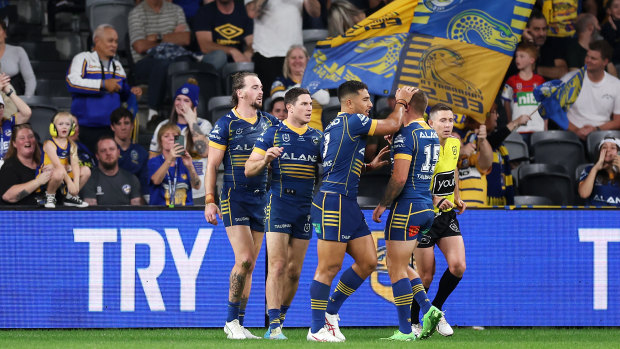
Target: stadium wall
169,268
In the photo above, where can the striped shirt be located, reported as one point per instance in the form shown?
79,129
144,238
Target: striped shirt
143,21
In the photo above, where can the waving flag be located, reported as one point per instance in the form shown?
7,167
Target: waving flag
556,97
456,51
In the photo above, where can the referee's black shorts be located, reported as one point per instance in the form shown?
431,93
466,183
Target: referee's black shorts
444,225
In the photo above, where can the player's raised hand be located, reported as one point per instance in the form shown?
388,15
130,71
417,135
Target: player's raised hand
377,162
405,93
212,212
376,214
272,153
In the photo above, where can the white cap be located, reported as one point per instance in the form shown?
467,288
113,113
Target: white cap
609,139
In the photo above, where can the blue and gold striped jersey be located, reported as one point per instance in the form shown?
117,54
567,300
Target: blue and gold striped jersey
418,143
344,143
236,136
293,173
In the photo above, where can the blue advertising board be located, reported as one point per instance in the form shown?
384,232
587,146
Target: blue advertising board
167,268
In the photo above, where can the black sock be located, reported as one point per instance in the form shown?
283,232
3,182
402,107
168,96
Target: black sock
415,310
447,284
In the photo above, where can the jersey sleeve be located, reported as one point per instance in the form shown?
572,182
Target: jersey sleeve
218,138
403,145
265,141
360,124
584,173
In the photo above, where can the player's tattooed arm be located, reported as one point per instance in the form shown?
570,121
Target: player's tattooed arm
394,188
200,140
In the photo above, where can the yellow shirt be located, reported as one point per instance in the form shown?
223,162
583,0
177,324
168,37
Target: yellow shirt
443,182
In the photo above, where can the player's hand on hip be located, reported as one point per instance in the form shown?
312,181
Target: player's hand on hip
212,212
376,214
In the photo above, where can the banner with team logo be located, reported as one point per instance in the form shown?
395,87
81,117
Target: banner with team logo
457,51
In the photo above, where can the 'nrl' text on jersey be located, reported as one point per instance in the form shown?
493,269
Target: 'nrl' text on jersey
418,143
342,150
294,171
236,136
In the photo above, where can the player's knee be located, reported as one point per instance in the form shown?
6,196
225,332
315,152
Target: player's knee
277,266
332,270
458,269
293,275
246,264
369,266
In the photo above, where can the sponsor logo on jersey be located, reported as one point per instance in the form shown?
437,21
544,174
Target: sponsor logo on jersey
443,183
301,157
413,230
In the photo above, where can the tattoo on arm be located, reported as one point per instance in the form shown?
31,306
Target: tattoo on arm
196,130
200,146
22,194
391,192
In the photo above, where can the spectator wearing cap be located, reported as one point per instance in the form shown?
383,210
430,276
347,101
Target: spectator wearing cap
9,121
600,183
193,129
98,84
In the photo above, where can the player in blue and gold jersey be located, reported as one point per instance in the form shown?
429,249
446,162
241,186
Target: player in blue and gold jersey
242,199
445,231
337,218
292,148
416,149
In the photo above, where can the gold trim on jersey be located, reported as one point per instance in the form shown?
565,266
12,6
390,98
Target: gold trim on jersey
250,121
217,145
299,130
403,157
259,151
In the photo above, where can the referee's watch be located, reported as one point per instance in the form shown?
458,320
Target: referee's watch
159,37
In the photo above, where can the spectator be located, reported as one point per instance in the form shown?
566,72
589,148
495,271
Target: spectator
610,31
586,29
292,74
551,63
518,94
157,30
600,183
193,129
474,164
61,153
598,105
85,157
277,108
224,33
109,184
169,177
279,19
20,182
133,157
14,61
342,16
8,122
98,84
190,7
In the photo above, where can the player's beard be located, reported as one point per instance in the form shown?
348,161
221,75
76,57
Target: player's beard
257,104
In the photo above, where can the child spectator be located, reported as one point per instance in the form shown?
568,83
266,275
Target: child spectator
518,91
62,153
169,177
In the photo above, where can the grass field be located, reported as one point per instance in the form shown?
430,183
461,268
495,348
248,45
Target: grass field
591,338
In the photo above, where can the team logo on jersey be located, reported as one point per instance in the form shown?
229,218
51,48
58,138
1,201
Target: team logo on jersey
126,189
239,131
315,140
286,137
7,132
216,129
307,227
134,155
399,139
363,118
99,190
454,151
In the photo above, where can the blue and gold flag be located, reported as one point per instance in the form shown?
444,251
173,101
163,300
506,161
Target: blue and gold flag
556,97
456,51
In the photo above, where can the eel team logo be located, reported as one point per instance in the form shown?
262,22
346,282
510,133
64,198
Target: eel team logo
441,5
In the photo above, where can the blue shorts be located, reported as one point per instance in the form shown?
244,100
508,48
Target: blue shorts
337,217
288,217
243,207
408,220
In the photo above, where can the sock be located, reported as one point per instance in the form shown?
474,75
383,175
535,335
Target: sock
152,112
415,309
402,299
283,310
274,318
241,316
348,283
447,284
233,311
319,293
420,295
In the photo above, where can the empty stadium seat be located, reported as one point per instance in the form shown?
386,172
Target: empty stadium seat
230,68
330,111
62,103
218,107
208,80
52,88
548,180
558,147
531,200
40,50
517,148
30,11
311,37
595,138
68,44
48,69
113,12
43,110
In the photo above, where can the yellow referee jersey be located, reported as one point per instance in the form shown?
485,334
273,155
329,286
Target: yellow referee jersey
443,182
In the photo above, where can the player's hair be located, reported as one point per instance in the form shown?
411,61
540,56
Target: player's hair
119,113
529,48
286,70
342,15
163,129
437,108
103,138
291,95
603,47
11,152
535,14
238,82
349,88
418,102
273,102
